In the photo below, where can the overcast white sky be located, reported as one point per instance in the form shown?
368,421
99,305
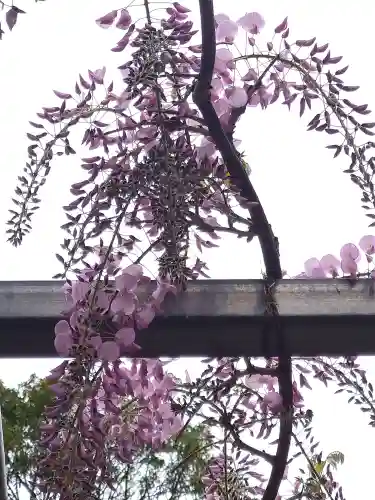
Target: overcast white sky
312,206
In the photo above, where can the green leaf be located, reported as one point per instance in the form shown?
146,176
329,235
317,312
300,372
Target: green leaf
335,458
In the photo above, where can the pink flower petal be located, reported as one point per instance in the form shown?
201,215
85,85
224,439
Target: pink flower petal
312,267
220,66
224,118
63,344
367,244
251,22
109,351
220,18
226,29
221,106
134,270
161,291
96,341
231,65
206,149
74,319
107,20
273,400
216,85
349,266
62,327
125,336
79,290
129,278
264,96
253,382
330,264
238,97
224,54
250,76
124,302
349,251
144,316
124,20
318,273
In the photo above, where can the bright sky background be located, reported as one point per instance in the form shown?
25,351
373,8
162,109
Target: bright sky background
312,206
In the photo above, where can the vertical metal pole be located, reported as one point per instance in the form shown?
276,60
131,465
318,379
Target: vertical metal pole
3,471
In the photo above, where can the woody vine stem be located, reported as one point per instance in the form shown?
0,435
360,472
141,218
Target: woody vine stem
268,241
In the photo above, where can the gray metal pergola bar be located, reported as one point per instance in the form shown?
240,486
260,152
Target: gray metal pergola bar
212,318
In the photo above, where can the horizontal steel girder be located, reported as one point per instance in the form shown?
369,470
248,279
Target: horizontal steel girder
212,318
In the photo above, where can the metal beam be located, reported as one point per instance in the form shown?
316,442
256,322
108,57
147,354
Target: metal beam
212,318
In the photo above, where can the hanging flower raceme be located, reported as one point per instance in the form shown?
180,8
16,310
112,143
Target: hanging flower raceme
101,404
109,411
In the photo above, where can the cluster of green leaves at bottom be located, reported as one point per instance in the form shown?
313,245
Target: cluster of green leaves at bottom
171,474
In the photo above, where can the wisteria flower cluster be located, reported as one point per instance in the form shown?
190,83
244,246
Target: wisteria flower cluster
164,177
102,416
104,317
330,266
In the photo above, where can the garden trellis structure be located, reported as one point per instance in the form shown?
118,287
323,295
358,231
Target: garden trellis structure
214,318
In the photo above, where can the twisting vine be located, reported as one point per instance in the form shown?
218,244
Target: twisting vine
268,241
171,173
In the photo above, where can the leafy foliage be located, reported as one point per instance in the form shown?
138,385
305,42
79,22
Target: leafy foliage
175,471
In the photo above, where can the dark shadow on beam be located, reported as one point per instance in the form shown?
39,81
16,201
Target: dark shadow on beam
213,318
209,336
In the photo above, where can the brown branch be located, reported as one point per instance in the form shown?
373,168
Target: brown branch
147,8
201,224
237,441
148,249
238,174
268,242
